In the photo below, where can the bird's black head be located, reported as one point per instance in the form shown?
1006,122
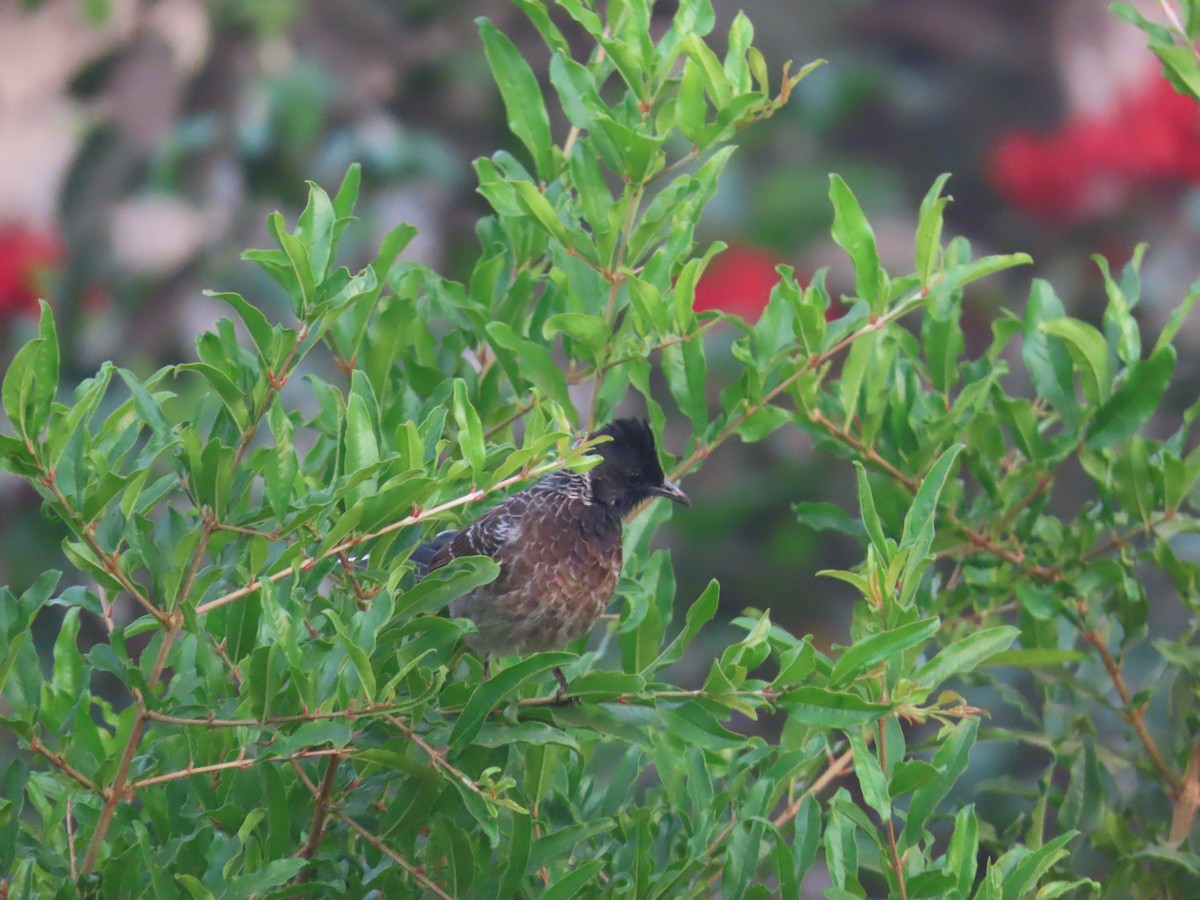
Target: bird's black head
630,472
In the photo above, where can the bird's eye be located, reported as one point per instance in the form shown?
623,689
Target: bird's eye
635,476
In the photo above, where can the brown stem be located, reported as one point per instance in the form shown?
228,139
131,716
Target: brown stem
1184,813
436,757
115,792
190,771
375,841
211,722
522,409
836,769
1134,715
703,451
897,863
316,831
308,563
70,822
109,561
60,761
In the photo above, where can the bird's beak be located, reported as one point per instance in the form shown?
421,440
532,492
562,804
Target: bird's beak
671,491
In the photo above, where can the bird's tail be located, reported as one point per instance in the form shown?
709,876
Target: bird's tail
422,557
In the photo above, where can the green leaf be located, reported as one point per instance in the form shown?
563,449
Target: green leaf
870,518
1034,657
362,446
1047,359
45,370
1025,875
853,234
919,520
231,395
1133,402
19,387
435,591
870,651
1089,353
963,852
698,615
828,517
490,693
534,202
686,370
929,229
823,708
582,877
870,775
591,333
470,431
951,761
261,331
522,97
577,91
964,655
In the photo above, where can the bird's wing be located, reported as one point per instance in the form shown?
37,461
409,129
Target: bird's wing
487,535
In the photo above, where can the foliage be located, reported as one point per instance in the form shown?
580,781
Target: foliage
289,723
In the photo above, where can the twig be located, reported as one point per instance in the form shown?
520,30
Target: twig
436,757
115,792
836,769
897,863
180,774
1184,813
71,840
374,840
1172,15
703,451
212,722
36,746
110,562
308,563
1135,715
395,857
316,831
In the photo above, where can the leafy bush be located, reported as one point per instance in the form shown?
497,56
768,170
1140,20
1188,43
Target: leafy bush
264,717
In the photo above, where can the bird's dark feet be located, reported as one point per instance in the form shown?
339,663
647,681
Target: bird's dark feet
561,698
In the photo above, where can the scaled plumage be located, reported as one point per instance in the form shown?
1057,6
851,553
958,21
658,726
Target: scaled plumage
558,544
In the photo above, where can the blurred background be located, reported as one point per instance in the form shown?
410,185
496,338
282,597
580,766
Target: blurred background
142,145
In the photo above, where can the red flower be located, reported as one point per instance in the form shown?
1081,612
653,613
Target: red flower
1091,164
738,281
25,257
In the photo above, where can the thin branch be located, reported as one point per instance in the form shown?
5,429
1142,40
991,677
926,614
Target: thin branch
1135,715
316,830
836,769
1172,15
70,822
703,451
374,840
690,157
1184,813
212,722
60,761
116,790
395,857
111,562
308,563
522,410
436,757
190,771
897,863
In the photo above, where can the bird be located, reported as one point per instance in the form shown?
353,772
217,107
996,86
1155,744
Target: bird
558,544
